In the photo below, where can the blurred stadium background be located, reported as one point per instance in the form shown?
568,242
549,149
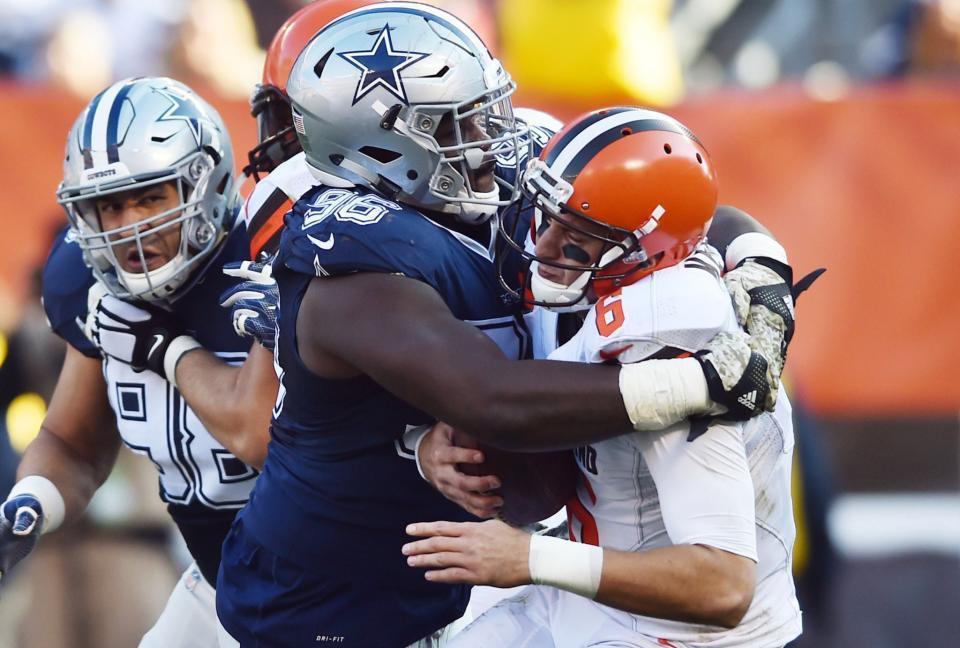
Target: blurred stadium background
835,122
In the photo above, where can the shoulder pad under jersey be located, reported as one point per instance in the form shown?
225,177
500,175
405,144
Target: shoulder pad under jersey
672,312
334,231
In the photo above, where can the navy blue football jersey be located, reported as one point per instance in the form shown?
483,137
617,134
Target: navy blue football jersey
202,483
338,488
66,280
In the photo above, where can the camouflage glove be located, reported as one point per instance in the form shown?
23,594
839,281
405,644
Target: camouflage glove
737,376
764,295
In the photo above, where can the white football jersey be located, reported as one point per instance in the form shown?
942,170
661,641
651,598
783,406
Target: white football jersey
725,485
154,420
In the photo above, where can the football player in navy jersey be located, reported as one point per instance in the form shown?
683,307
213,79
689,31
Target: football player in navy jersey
391,316
149,190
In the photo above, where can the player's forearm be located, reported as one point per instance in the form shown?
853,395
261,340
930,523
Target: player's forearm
76,477
423,355
234,403
540,405
689,583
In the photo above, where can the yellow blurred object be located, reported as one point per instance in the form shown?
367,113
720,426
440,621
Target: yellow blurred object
801,546
604,49
24,416
3,349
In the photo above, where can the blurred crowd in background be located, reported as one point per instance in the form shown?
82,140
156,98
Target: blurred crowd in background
666,48
836,122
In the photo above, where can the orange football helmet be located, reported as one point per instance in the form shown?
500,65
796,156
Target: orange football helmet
637,180
269,103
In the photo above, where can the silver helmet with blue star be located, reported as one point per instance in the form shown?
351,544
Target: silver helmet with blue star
136,134
405,98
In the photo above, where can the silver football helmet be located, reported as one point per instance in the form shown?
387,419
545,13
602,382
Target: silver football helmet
141,132
406,99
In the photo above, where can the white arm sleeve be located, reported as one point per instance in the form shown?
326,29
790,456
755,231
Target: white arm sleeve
705,489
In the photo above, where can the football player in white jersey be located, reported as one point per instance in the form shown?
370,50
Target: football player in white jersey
149,190
677,538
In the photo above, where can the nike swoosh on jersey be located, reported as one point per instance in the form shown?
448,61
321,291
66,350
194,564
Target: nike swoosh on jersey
323,245
157,341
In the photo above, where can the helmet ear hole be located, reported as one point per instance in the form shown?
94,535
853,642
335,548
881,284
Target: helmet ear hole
212,152
382,155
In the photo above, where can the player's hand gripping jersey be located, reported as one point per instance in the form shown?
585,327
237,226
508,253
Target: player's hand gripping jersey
725,485
202,482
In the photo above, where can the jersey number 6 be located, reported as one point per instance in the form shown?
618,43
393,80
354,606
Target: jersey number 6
609,314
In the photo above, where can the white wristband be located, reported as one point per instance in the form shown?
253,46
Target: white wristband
659,393
412,439
570,566
46,492
175,351
754,244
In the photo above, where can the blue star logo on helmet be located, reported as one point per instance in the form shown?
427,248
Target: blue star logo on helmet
381,66
181,109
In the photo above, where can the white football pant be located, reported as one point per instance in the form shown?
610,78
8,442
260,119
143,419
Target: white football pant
189,619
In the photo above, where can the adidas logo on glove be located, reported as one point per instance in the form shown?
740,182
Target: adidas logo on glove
749,400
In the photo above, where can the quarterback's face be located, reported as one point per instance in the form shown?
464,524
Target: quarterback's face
121,211
558,242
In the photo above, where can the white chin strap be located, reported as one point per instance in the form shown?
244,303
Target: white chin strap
556,296
473,213
162,282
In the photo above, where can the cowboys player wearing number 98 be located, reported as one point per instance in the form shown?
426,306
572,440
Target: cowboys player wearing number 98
149,190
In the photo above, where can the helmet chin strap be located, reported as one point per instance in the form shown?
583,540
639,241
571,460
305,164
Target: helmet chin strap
475,213
161,282
562,298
